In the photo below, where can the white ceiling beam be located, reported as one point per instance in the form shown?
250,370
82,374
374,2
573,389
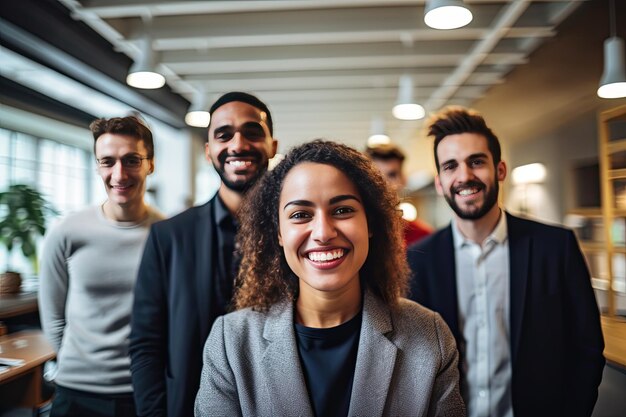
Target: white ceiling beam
357,81
381,19
326,51
207,42
123,8
307,64
370,72
117,9
295,99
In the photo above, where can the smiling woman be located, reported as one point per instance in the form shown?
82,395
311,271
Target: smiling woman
324,234
266,277
321,326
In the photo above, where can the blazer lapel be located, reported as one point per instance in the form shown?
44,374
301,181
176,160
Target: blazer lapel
203,273
519,257
375,361
283,376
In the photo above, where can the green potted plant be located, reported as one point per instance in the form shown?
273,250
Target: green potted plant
22,220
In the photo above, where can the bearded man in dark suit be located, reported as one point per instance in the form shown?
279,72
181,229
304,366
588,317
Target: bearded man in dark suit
516,293
186,275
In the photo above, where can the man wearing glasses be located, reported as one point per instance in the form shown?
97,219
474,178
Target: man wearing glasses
88,270
186,275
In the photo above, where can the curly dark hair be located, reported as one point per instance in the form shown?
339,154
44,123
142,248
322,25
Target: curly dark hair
265,277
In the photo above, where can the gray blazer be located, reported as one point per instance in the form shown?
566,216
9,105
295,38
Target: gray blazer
406,365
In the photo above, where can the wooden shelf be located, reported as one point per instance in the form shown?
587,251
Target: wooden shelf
587,211
617,174
593,247
607,148
598,247
616,146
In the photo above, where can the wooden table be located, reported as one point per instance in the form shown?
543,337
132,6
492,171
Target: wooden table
21,386
12,305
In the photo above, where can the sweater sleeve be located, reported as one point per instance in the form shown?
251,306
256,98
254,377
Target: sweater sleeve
53,286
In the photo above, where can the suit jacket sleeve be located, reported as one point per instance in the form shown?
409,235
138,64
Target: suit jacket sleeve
416,291
53,287
585,333
446,398
148,337
217,395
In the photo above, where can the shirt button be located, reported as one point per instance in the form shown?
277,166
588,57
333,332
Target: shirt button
482,393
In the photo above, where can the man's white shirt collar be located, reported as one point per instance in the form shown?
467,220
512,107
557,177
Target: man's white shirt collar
498,235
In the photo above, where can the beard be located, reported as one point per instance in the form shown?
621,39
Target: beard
476,211
243,185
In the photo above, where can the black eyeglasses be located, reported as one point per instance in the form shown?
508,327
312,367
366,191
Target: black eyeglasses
128,162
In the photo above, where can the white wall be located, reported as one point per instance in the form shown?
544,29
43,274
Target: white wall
207,182
560,151
172,178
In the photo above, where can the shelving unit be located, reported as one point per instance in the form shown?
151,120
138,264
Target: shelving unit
588,224
612,155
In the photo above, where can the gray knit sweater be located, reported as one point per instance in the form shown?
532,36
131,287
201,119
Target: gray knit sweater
88,268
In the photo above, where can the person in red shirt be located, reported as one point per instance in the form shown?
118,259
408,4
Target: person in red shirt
389,159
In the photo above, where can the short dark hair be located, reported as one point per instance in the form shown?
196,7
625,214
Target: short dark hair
130,126
244,98
265,277
385,152
455,120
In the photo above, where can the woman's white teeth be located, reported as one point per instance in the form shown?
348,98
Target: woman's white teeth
325,256
468,191
240,164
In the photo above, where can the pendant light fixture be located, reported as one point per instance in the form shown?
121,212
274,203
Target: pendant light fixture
446,14
377,132
142,73
613,81
198,114
406,108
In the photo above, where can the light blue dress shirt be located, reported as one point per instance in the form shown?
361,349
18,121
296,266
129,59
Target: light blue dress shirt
483,296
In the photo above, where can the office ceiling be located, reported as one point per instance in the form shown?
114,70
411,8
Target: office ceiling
327,67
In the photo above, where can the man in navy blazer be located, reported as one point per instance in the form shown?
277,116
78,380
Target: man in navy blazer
186,275
516,293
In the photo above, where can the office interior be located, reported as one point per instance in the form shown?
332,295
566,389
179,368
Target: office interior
331,70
